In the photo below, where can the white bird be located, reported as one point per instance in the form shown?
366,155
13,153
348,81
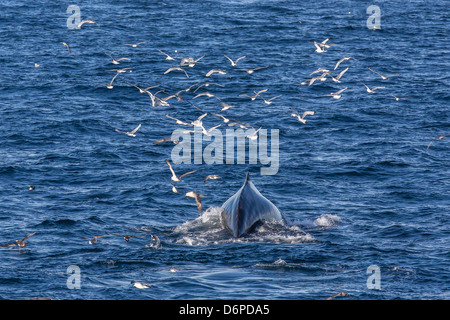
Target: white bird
179,121
301,118
322,77
369,90
198,122
225,106
168,57
320,70
83,22
123,70
174,176
250,71
197,196
212,177
255,96
116,61
210,72
319,49
396,98
132,133
253,135
140,89
65,44
269,101
337,79
207,84
109,85
234,63
385,76
206,93
139,285
342,60
134,45
225,120
335,95
176,68
189,61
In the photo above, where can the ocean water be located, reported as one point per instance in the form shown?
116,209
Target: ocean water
360,188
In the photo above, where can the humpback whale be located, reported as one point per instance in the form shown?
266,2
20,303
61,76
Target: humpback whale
246,208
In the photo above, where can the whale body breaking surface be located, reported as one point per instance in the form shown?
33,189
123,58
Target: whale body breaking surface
243,211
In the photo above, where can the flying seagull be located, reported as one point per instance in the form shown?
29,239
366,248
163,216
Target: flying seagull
83,22
109,85
234,63
250,71
335,95
438,138
342,60
301,118
174,176
373,89
132,133
168,57
385,76
134,45
20,243
212,177
176,68
255,96
269,101
189,61
212,71
116,61
337,79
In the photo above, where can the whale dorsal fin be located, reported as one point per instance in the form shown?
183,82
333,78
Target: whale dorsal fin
247,177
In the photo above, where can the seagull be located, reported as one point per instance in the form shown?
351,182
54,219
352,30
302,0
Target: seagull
255,96
116,61
63,43
110,86
134,45
301,118
373,89
174,176
20,243
197,196
225,120
253,135
210,72
384,77
123,70
94,239
207,84
165,140
207,93
337,79
139,285
198,122
234,63
37,65
438,138
342,293
189,61
206,132
250,71
83,22
125,237
132,133
179,121
342,60
168,57
320,70
212,177
319,49
176,68
323,77
269,101
225,106
31,188
396,98
335,95
140,89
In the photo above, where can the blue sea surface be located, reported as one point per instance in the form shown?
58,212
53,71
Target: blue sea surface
357,182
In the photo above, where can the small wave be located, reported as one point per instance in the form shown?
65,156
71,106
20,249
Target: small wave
208,229
327,220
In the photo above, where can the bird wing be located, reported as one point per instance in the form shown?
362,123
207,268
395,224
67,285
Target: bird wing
341,73
308,113
9,244
185,174
239,58
162,140
28,236
198,203
342,90
274,97
170,168
135,129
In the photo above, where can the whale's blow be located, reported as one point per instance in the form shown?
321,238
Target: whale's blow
246,208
